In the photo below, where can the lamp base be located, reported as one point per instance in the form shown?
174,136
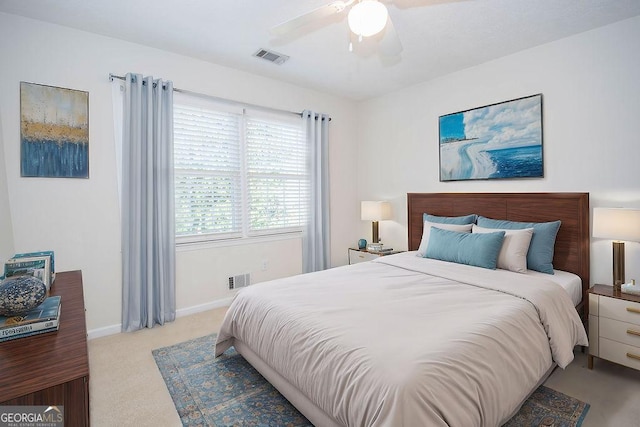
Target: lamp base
374,232
618,265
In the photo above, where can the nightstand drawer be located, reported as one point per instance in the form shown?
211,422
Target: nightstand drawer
362,255
358,256
623,354
618,309
623,332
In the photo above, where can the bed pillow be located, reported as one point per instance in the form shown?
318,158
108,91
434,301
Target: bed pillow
540,255
513,254
426,231
466,219
480,249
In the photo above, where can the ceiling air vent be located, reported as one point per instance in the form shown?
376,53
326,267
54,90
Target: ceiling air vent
271,56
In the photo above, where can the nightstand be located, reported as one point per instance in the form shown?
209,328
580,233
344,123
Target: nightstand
362,255
614,326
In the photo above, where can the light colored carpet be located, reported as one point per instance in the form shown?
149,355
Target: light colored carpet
126,388
613,391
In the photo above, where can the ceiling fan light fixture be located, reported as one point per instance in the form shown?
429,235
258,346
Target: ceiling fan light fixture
367,18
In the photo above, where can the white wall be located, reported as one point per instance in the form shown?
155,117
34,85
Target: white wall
591,122
6,228
79,218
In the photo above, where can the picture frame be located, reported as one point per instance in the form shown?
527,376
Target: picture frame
54,132
496,141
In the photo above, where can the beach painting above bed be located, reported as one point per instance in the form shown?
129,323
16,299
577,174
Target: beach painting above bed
496,141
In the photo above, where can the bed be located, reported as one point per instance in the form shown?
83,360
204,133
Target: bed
406,340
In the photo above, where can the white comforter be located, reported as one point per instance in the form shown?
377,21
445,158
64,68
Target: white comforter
408,341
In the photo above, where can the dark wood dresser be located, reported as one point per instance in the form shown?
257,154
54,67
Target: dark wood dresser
52,368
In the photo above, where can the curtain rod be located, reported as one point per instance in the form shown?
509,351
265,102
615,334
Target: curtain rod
228,101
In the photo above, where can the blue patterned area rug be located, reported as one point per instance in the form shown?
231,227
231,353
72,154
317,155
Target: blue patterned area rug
229,392
547,407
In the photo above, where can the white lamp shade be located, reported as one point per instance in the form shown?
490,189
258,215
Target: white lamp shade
616,224
375,211
367,18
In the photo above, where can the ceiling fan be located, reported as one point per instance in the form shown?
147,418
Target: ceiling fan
366,18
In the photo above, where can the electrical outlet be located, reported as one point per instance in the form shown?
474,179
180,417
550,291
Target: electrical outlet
265,264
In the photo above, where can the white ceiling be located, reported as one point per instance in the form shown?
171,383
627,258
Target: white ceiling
438,36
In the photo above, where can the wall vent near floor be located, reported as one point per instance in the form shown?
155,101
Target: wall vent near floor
240,281
271,56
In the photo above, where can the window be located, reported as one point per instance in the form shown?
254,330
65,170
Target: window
238,173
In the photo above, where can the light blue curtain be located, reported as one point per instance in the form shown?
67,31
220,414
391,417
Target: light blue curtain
148,222
316,240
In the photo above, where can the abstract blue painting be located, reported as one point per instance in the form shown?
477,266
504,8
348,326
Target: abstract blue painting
495,141
54,132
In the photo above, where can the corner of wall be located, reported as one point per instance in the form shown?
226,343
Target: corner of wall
6,225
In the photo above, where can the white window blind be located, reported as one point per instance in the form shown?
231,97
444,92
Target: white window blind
277,174
237,174
207,171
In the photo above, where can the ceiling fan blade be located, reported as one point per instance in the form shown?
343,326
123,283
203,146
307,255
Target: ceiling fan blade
390,44
308,18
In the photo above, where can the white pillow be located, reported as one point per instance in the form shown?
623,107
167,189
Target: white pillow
513,255
426,229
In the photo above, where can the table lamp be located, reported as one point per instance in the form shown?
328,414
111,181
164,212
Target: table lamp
617,224
375,211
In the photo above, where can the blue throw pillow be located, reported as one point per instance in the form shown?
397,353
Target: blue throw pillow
480,250
540,255
459,220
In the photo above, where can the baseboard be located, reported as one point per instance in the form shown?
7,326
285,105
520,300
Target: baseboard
105,331
224,302
116,329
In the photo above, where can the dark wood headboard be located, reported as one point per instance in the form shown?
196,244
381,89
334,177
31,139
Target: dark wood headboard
572,243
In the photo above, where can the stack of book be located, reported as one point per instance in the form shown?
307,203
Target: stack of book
37,264
379,249
42,319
